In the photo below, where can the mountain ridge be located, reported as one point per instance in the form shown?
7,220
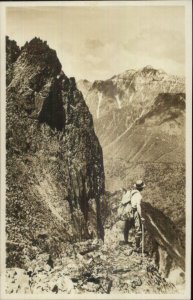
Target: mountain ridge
129,85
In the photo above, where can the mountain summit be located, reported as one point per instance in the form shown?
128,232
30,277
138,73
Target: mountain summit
132,89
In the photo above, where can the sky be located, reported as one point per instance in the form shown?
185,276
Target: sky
97,42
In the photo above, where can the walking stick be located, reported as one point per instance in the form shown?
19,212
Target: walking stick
142,239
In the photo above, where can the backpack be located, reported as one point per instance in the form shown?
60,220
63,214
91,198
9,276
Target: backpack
125,210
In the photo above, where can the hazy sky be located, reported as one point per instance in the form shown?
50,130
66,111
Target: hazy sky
98,42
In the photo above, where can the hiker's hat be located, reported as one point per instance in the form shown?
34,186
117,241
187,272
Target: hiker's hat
139,184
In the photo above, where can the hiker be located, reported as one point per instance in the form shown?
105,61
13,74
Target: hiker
136,206
130,212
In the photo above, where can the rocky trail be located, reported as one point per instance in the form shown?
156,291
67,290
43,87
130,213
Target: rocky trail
90,267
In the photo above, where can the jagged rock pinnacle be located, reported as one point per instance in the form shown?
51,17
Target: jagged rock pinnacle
51,140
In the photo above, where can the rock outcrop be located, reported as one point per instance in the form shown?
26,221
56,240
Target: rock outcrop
55,174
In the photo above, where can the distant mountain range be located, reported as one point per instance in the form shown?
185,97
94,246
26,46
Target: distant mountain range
148,104
139,115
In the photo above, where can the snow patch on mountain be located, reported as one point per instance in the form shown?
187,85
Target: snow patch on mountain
118,101
100,96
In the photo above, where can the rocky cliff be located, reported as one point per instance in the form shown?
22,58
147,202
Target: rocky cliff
55,175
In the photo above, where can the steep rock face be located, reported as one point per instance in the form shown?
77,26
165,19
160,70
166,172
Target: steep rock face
55,173
164,233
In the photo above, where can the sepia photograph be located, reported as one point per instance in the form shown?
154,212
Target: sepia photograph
96,101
